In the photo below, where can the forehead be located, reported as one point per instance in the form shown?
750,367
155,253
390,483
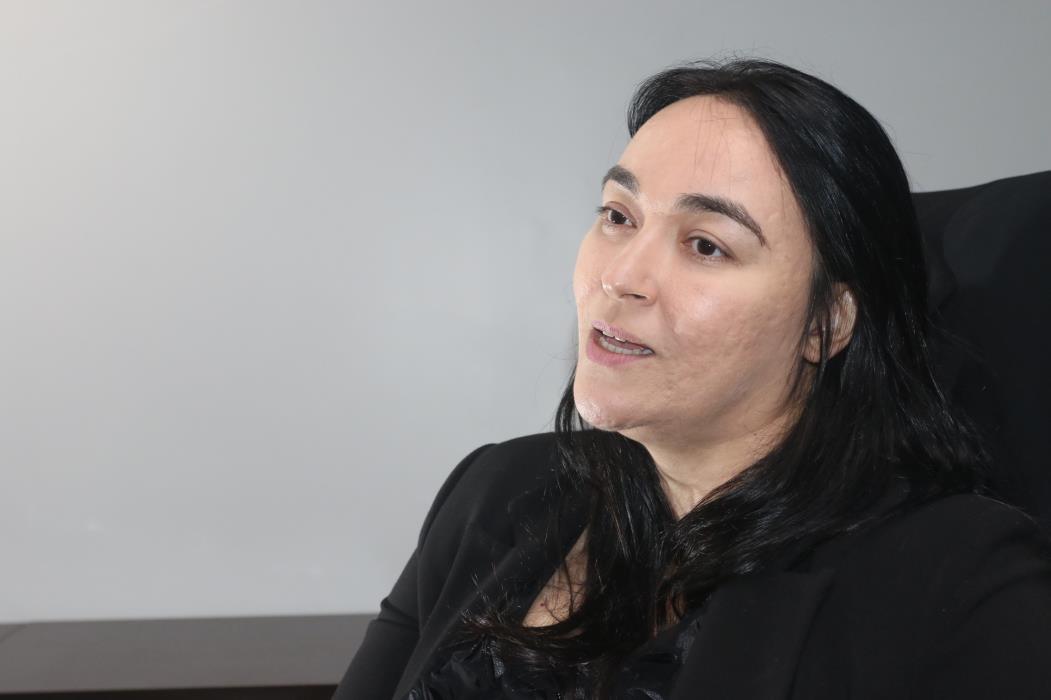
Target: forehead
707,145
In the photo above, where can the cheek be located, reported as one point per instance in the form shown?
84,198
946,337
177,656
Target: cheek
583,287
585,273
712,316
729,326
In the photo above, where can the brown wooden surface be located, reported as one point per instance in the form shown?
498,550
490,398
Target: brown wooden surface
264,657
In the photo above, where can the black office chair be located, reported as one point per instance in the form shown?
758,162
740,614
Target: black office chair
989,261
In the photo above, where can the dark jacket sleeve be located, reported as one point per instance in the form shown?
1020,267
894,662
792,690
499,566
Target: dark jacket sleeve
992,633
377,666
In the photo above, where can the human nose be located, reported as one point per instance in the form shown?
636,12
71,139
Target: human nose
632,274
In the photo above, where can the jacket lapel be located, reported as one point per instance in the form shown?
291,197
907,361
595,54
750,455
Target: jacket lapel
489,561
750,637
753,630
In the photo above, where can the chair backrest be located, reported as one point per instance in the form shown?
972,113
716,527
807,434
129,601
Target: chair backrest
989,261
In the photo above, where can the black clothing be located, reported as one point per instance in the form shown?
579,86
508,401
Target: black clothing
474,670
951,599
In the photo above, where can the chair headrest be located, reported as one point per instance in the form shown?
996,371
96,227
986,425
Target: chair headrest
989,266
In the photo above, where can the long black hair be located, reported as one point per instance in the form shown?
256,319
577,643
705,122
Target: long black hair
869,414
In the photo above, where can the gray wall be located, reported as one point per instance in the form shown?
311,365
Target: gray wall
269,269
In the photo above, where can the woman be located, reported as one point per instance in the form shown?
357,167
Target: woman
755,488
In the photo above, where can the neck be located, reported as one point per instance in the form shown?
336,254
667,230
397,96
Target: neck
690,471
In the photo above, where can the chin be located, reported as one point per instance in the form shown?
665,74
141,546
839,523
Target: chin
600,414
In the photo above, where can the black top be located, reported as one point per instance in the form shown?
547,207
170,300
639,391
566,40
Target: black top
949,599
474,670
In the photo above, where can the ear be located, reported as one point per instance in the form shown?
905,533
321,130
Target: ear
841,325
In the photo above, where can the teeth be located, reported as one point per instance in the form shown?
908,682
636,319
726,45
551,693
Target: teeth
621,351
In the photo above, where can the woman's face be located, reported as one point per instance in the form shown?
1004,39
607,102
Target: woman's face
701,254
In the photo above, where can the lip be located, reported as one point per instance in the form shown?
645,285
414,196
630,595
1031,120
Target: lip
599,355
618,332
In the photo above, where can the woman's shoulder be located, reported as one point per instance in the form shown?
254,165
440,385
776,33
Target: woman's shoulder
485,483
944,535
944,555
959,524
957,589
499,472
511,466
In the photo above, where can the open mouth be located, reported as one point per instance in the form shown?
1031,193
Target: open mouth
619,346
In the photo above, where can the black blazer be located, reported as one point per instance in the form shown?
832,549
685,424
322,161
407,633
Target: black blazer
951,599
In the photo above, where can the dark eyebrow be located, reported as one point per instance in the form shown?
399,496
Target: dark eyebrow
692,202
623,177
719,205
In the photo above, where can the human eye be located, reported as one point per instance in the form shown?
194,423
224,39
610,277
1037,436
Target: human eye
705,248
612,217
